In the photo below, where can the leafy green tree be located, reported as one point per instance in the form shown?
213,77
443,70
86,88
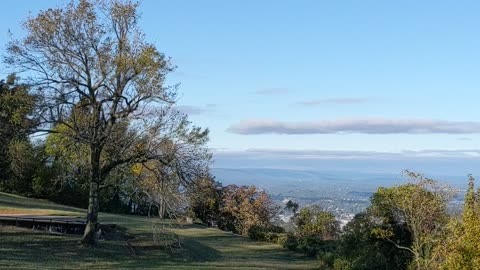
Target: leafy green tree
69,170
314,221
359,249
91,65
315,231
17,164
204,195
419,206
461,247
292,207
57,178
46,183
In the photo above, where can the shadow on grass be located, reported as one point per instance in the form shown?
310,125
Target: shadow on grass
40,249
43,250
238,247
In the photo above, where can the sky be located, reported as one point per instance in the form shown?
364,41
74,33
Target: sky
277,81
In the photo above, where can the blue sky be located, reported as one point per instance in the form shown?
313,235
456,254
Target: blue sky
340,77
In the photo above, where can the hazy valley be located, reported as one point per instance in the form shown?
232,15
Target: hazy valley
345,193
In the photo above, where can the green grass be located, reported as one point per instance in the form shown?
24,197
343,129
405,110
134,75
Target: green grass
14,204
203,248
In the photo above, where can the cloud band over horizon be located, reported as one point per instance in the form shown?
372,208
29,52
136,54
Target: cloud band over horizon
365,126
343,154
434,161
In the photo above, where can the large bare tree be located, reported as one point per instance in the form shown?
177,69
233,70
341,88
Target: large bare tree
103,86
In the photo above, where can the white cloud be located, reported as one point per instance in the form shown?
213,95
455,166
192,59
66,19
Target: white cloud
318,102
195,110
365,126
345,155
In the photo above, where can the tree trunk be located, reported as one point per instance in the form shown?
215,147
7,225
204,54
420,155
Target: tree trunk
130,206
149,209
161,209
90,234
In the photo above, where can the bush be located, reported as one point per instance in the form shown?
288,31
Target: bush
310,245
291,242
342,264
276,229
281,239
328,258
261,233
257,233
271,237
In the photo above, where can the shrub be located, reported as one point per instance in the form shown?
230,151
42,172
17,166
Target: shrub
276,229
257,232
281,239
271,237
342,264
309,245
328,258
290,242
262,233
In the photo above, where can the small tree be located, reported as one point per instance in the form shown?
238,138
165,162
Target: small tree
244,207
161,186
204,195
313,221
292,207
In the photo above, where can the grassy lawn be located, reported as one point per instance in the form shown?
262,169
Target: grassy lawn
13,204
202,248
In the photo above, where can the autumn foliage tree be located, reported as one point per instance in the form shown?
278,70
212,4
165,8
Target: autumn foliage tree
94,71
244,207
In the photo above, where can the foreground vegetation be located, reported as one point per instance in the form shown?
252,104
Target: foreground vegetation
409,226
134,247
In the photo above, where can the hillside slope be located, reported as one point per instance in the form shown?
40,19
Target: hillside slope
134,248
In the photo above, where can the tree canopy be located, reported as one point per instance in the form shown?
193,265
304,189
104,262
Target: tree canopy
17,107
101,84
